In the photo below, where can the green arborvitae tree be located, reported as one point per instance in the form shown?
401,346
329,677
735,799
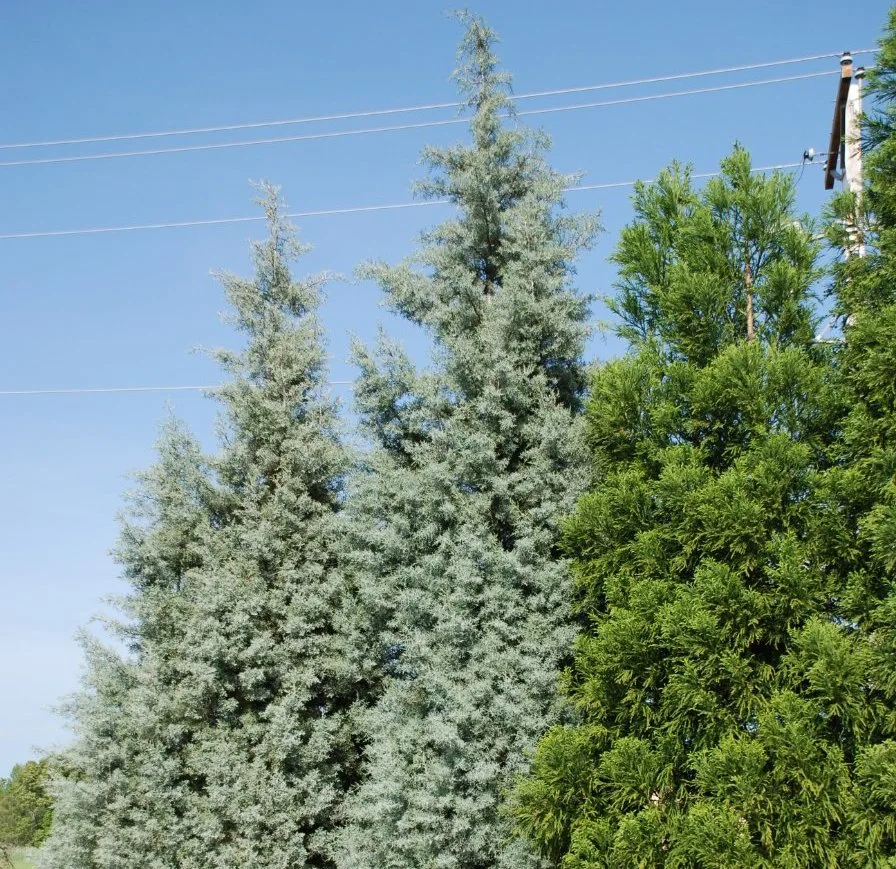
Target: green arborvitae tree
221,738
462,601
724,705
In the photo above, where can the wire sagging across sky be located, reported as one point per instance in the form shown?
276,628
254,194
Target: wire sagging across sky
445,122
108,389
326,212
8,393
369,113
338,134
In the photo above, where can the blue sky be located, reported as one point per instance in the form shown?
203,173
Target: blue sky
127,309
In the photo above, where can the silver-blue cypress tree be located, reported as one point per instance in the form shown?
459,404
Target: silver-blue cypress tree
222,740
462,602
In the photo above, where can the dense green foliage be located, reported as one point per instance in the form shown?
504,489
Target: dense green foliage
221,738
865,296
734,694
709,689
26,808
454,522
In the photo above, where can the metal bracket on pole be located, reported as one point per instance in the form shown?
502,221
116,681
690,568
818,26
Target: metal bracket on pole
835,147
846,147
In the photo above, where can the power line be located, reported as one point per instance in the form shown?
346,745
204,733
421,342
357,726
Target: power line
81,391
349,383
669,95
687,75
358,209
368,113
105,389
218,221
360,131
699,175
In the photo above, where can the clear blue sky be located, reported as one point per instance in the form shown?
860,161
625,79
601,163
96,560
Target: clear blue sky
126,309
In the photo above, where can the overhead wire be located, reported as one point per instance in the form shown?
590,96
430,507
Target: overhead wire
323,212
106,389
368,113
359,131
185,388
370,208
218,221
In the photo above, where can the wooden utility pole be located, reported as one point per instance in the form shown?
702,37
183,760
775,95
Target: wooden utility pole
845,145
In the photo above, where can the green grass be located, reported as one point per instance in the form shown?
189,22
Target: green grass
20,860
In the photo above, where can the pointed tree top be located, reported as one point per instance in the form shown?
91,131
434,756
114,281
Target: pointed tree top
477,75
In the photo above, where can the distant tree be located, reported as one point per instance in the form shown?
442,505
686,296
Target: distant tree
26,808
221,738
461,598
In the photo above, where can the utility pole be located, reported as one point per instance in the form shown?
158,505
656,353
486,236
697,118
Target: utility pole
852,165
845,146
852,136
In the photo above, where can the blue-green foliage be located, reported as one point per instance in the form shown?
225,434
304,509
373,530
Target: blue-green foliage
463,606
221,739
300,685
